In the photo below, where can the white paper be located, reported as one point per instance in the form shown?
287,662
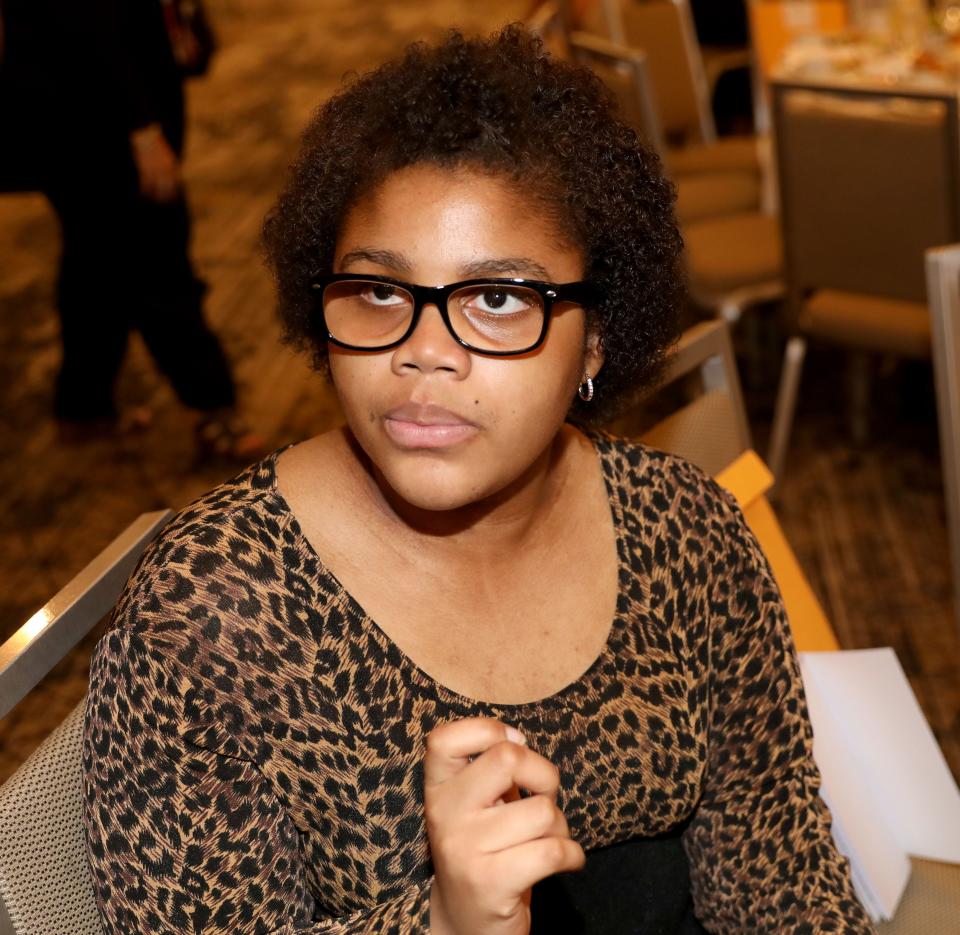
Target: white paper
869,698
880,867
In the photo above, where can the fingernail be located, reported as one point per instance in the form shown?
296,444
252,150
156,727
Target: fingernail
515,736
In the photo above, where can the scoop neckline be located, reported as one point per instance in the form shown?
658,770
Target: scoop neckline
417,677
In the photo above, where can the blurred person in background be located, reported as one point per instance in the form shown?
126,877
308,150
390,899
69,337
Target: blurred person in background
92,111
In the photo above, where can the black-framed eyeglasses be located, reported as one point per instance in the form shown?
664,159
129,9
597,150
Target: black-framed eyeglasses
500,317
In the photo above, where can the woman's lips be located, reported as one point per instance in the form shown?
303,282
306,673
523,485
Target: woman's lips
414,435
427,426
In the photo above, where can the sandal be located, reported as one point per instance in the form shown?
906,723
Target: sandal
222,435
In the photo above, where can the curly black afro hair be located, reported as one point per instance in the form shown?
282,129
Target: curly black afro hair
504,106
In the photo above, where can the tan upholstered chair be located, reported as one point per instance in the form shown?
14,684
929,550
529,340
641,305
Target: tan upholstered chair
710,429
625,71
664,30
868,182
45,882
734,262
733,252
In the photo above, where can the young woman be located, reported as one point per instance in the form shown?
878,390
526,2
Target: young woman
411,674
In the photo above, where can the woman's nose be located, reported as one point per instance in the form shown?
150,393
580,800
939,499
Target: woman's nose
431,346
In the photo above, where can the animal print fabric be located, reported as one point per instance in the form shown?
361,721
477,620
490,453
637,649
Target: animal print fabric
253,741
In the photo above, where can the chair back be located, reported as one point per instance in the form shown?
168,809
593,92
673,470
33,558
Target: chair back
625,72
548,22
709,430
868,182
45,882
664,30
943,290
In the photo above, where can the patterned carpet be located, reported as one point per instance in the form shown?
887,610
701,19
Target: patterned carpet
867,523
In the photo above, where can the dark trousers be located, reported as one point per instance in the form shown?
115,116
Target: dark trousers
124,266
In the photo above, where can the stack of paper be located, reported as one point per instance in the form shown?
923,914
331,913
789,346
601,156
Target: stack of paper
884,778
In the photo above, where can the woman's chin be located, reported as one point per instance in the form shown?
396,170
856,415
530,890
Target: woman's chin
428,492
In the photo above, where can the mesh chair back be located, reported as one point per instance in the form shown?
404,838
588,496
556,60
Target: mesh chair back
40,828
710,429
703,431
868,182
45,882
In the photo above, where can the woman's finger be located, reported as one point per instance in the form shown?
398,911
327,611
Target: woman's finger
450,746
496,771
517,822
533,861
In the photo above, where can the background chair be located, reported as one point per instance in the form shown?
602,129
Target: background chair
45,882
664,30
868,182
709,428
625,71
943,290
733,251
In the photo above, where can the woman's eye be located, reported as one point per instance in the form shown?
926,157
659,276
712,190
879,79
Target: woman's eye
498,301
382,294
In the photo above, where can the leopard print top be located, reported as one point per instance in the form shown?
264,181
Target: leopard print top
253,741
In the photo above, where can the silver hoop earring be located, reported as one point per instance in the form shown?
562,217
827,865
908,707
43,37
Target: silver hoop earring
585,390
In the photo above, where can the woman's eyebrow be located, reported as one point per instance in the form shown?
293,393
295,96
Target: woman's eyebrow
386,258
517,265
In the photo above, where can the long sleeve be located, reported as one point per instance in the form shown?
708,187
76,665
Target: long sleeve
761,854
133,47
184,832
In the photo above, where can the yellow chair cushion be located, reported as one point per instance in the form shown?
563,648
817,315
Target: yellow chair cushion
748,479
868,322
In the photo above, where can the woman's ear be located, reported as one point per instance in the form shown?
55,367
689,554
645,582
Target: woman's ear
593,356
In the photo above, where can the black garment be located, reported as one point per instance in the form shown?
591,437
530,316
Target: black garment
76,79
604,899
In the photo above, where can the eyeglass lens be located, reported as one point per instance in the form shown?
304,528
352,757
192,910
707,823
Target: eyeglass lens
488,316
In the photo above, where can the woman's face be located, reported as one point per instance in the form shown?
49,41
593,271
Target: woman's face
444,426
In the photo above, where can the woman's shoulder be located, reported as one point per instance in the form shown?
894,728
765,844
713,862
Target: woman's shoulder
222,552
245,507
651,479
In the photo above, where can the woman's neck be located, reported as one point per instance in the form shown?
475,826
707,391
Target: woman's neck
495,525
